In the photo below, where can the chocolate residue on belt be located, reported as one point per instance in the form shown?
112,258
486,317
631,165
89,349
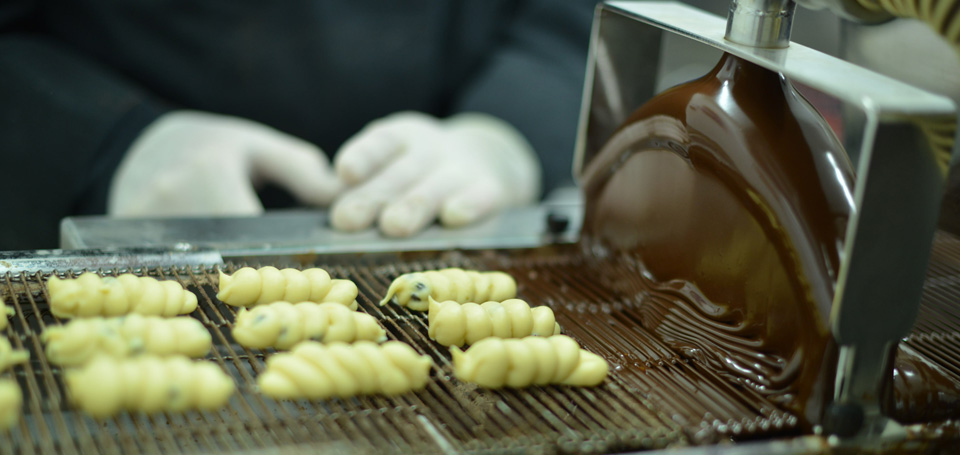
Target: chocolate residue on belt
922,392
729,196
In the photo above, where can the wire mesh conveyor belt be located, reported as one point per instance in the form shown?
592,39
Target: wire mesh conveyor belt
652,398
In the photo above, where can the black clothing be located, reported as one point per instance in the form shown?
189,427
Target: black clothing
79,79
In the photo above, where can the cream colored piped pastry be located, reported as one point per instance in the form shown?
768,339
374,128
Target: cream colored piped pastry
316,371
413,289
90,295
106,386
283,324
11,399
496,363
7,312
82,339
249,287
454,324
9,356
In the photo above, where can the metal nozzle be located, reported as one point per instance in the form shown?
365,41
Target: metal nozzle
760,23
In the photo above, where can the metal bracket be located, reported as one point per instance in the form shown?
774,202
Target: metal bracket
286,232
899,183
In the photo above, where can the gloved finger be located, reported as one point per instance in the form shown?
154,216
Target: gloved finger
381,142
359,207
366,153
473,202
296,165
419,206
353,212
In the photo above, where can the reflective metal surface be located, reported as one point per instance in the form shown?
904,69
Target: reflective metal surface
898,185
795,446
47,261
760,23
557,220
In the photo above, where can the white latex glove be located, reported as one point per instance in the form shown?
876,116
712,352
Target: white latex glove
908,50
190,163
409,167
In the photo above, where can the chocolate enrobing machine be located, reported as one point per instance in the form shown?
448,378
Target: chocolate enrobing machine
659,394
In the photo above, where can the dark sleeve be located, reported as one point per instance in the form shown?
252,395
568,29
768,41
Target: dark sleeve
65,123
534,80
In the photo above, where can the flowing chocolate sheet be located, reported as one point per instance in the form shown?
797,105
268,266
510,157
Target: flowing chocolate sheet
730,195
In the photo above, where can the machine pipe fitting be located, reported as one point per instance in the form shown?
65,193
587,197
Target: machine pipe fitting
760,23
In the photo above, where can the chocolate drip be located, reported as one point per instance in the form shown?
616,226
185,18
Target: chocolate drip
730,195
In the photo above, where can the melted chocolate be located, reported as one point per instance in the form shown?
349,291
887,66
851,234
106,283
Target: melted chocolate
922,391
730,196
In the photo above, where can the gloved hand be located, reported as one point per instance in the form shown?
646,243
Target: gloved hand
197,163
409,167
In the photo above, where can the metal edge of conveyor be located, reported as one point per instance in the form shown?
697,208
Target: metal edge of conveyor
801,445
46,261
292,232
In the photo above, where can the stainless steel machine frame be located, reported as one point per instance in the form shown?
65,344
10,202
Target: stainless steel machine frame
306,231
897,193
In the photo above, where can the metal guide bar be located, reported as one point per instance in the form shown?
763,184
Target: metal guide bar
938,317
106,258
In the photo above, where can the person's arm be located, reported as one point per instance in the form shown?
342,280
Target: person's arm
65,123
534,80
75,134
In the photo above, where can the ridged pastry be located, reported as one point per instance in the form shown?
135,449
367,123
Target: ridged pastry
412,289
283,324
11,400
455,324
82,339
10,356
90,295
316,371
6,312
106,386
249,287
496,363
